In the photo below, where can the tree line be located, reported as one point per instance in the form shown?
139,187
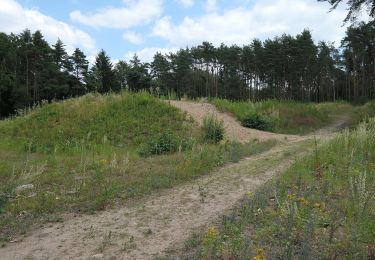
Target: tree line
285,67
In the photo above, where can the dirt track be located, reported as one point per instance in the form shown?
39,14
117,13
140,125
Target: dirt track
233,128
162,222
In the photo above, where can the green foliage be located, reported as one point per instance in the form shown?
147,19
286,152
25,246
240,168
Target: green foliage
287,117
82,154
29,54
256,121
286,67
124,119
362,113
163,144
103,77
3,202
212,129
322,207
355,8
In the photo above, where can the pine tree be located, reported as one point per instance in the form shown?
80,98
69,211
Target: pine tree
137,76
103,73
79,65
355,7
160,73
60,56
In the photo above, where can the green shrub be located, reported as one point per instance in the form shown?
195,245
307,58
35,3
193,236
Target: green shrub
163,144
213,129
3,202
256,121
287,117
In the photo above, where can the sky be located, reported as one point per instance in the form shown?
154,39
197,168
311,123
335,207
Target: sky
125,27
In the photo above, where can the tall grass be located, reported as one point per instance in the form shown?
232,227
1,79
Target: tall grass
119,120
323,207
212,129
362,113
82,155
281,116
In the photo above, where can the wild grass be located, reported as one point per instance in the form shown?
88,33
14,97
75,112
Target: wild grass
362,113
323,207
118,120
83,155
212,129
287,117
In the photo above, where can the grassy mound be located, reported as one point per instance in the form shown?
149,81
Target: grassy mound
286,117
84,154
118,120
322,208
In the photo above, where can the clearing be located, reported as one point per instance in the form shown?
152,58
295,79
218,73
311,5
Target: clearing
160,223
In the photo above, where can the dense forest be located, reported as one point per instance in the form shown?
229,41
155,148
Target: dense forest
286,67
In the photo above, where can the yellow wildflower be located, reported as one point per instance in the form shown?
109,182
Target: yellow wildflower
320,206
261,255
291,196
303,201
212,232
103,161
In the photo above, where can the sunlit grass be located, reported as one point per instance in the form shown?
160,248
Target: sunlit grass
323,207
82,155
287,117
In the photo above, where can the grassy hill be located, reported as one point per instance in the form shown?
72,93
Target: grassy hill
84,154
118,120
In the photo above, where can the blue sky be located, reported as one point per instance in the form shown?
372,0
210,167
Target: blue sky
125,27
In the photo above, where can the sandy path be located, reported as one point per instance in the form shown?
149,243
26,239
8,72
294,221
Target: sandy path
233,128
165,220
157,222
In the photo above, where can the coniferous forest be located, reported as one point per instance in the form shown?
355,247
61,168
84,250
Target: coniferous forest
286,67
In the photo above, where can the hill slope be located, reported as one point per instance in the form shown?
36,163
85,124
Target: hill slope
125,119
83,155
163,220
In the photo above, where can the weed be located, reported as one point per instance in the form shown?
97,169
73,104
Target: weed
148,232
331,216
192,242
359,194
212,129
163,144
256,121
287,117
94,144
107,241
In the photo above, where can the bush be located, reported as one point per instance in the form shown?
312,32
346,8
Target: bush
213,129
256,121
163,144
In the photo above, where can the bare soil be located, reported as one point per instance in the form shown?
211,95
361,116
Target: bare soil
163,221
233,129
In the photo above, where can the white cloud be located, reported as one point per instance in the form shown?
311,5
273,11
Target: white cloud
14,19
265,19
134,13
132,37
211,6
147,54
186,3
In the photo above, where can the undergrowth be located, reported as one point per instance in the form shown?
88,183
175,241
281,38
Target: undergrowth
82,155
287,117
118,120
323,207
212,129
